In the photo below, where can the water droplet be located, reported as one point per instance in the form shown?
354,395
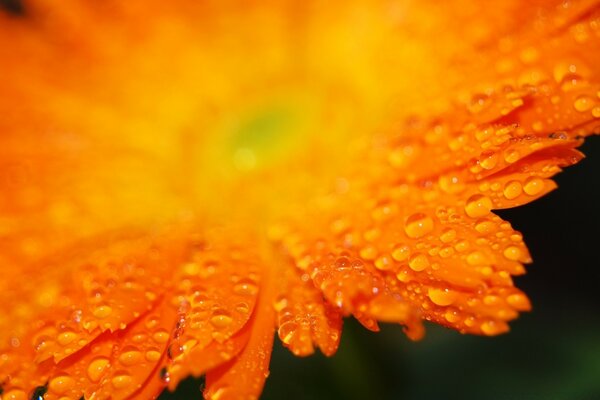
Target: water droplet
418,225
492,328
17,394
245,287
448,235
533,186
164,375
442,297
66,338
102,311
383,263
512,253
401,253
451,184
368,252
97,367
221,319
478,103
130,356
596,112
512,190
519,301
121,380
583,103
61,384
418,262
287,331
160,336
152,355
512,156
485,227
478,206
488,160
476,258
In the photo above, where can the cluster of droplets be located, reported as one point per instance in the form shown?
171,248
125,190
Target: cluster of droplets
217,288
420,230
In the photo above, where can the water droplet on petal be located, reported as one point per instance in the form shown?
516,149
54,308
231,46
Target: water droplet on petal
102,311
418,262
512,190
519,301
121,380
152,355
488,160
418,225
221,319
160,336
401,253
448,235
15,394
245,287
512,156
65,338
97,367
61,384
492,328
287,331
130,356
478,206
512,253
583,103
533,186
442,297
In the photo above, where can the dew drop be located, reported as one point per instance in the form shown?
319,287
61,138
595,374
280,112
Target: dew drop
492,328
160,336
61,384
512,253
519,301
478,103
533,186
418,225
476,258
287,331
96,368
448,235
418,262
512,190
401,253
383,263
442,297
65,338
485,227
152,355
221,319
164,375
368,253
583,103
452,316
18,394
245,287
102,311
451,184
512,156
130,356
478,206
488,160
121,380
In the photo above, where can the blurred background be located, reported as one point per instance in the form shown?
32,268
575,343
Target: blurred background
551,353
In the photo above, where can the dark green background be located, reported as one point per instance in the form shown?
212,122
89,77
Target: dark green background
552,353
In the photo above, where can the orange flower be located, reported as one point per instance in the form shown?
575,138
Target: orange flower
181,178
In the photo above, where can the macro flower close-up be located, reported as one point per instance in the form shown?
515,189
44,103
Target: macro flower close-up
186,184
